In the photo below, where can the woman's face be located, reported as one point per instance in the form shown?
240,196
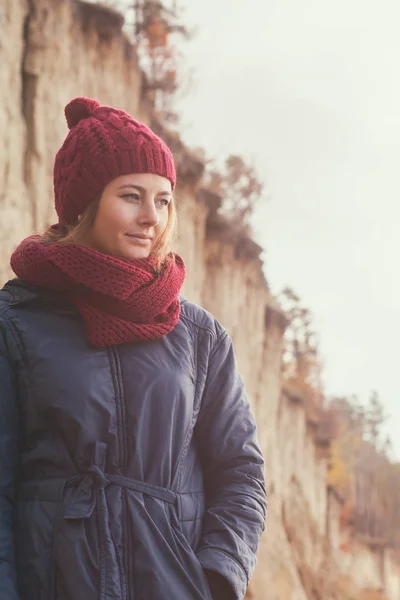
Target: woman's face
132,215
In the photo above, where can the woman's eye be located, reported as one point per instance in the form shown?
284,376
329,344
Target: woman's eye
162,202
134,197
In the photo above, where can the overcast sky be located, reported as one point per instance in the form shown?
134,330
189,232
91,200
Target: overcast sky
310,91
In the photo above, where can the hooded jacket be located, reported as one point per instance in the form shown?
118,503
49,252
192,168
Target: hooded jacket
125,472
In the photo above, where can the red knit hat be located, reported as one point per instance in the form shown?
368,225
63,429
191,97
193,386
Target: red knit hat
103,143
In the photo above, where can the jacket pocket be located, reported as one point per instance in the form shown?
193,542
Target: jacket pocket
187,520
190,512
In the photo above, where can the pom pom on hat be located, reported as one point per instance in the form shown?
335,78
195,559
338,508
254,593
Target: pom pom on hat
78,109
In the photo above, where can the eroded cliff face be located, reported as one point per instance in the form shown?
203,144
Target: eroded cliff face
52,51
16,212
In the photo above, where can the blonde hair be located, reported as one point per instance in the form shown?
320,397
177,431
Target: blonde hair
74,233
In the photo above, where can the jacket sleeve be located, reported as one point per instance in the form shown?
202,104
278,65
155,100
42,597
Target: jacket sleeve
8,466
233,469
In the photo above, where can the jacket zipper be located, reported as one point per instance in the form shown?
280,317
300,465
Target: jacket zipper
123,458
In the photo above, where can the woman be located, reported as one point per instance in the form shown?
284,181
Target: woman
129,465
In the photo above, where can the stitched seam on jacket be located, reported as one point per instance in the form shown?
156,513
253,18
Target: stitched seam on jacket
199,518
5,309
119,392
217,344
12,329
194,414
197,325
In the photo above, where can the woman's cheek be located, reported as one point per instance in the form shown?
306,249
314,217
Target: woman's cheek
164,220
126,213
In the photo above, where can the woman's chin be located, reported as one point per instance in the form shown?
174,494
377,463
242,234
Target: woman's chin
134,253
128,251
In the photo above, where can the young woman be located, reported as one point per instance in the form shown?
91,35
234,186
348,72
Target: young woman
129,464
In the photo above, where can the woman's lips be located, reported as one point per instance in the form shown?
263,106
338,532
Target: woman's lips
139,238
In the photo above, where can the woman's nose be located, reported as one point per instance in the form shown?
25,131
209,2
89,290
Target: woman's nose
148,213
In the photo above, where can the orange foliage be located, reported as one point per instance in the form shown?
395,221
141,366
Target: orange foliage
156,34
345,515
345,547
156,25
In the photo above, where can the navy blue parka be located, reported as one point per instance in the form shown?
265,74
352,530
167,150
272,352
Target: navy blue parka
127,471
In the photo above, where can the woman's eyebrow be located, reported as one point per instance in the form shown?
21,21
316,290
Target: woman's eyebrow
132,185
142,189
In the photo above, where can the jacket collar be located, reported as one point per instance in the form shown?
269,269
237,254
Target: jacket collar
23,292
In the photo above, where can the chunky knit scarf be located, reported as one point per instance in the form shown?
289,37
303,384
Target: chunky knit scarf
120,300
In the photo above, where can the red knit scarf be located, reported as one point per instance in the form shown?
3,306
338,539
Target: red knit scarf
120,300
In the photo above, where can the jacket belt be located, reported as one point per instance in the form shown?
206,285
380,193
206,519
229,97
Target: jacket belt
88,488
88,494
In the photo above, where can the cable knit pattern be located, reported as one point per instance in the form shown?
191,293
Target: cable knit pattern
120,300
103,143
